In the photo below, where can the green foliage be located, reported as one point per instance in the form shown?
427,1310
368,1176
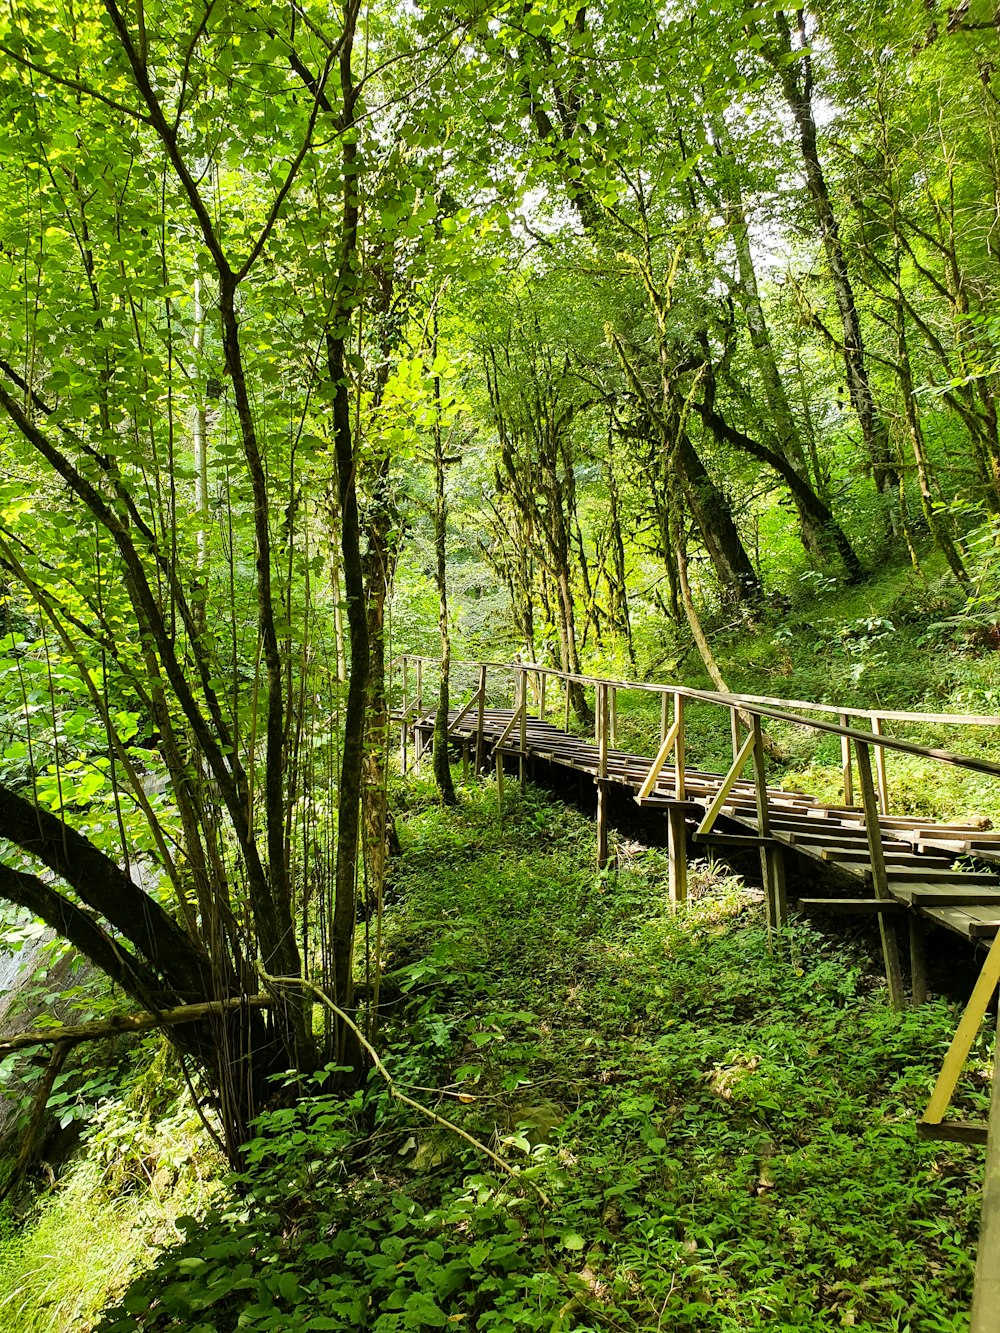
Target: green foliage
725,1133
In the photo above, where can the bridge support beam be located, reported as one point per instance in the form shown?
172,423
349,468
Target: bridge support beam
677,869
602,823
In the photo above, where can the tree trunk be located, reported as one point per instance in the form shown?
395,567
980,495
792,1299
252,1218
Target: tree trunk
442,757
794,68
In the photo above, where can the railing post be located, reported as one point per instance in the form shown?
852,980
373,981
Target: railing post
986,1293
845,763
542,678
522,704
664,716
613,716
405,728
772,862
679,790
418,749
734,726
676,827
480,707
890,947
601,727
883,790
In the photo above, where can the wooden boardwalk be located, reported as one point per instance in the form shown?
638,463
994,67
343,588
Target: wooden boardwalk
927,863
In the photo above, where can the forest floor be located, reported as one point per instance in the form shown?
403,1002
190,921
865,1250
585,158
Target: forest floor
724,1133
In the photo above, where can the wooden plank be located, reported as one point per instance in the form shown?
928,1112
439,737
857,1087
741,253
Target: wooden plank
883,788
734,840
602,824
669,803
928,826
713,811
960,922
946,897
771,855
862,906
680,777
893,860
955,1131
918,959
937,876
480,714
676,854
669,742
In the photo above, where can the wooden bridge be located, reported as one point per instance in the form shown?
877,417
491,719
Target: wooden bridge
932,875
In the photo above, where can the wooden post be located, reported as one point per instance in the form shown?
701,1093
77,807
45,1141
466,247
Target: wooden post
772,863
601,727
734,726
679,791
883,790
480,707
500,779
665,715
613,716
918,960
890,948
418,749
845,763
986,1294
522,695
676,855
542,678
566,717
405,729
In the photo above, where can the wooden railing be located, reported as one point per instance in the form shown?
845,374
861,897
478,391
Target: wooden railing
740,706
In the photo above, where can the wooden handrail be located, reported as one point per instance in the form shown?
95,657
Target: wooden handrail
761,706
747,701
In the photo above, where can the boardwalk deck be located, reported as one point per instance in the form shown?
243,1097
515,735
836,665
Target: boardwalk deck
926,863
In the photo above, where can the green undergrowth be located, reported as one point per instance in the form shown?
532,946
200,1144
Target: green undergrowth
703,1133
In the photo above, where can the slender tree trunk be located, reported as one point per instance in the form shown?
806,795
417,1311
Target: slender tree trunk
936,522
442,758
618,582
795,71
352,752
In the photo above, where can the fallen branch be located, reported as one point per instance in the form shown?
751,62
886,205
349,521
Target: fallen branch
119,1023
394,1091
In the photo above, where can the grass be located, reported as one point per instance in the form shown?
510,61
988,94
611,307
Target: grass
143,1164
725,1134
